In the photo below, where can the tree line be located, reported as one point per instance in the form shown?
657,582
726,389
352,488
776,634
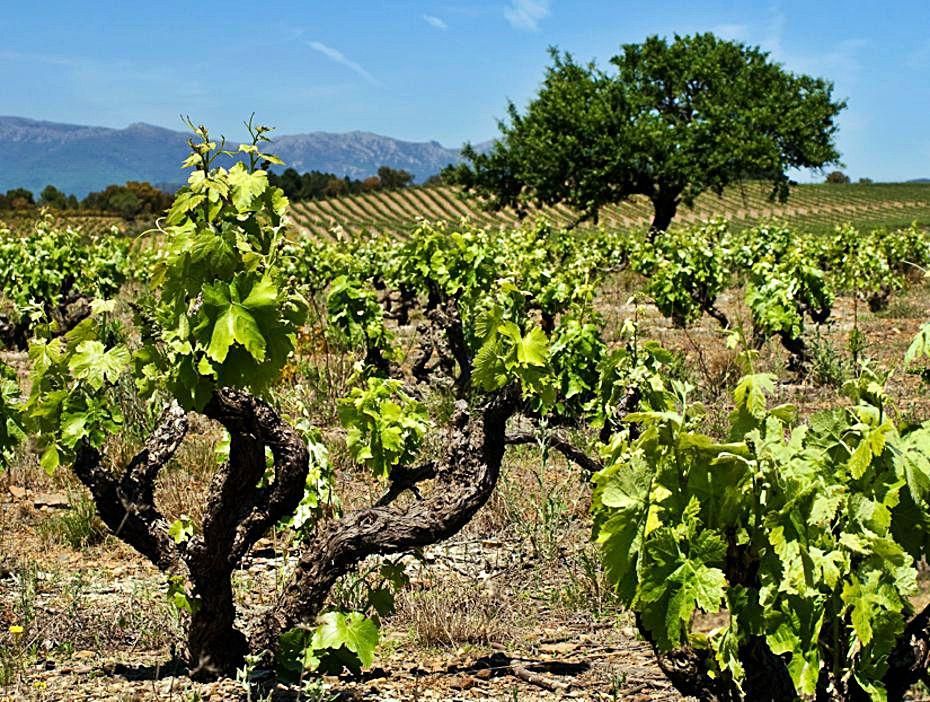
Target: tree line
141,199
316,185
132,200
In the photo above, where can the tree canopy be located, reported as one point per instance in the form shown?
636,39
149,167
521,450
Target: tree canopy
315,185
134,199
837,178
669,121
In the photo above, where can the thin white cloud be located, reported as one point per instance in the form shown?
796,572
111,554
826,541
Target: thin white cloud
526,14
50,59
339,57
436,22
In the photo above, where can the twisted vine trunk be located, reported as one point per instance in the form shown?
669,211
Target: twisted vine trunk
216,648
214,644
799,356
909,661
70,310
465,478
443,336
767,678
238,512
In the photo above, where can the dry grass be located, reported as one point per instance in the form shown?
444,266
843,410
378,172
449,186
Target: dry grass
77,527
454,614
183,484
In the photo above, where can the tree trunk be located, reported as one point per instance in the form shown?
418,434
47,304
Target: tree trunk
909,661
215,647
766,680
447,340
547,322
719,315
767,677
126,504
665,206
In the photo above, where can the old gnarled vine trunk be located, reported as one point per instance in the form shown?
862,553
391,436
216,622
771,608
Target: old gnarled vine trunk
465,477
238,512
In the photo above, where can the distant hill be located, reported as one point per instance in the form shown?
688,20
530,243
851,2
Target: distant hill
78,159
919,180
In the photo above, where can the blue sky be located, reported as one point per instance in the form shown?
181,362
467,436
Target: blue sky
438,69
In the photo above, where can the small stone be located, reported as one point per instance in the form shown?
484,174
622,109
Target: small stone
50,501
463,682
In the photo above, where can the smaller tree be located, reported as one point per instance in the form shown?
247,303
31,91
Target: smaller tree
19,199
134,199
53,197
125,203
371,184
438,179
335,187
394,178
837,178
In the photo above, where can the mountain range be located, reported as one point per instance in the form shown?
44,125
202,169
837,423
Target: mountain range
79,159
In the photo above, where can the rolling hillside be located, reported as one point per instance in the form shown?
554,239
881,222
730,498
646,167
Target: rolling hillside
816,207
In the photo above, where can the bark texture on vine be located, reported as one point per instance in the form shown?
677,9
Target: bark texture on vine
237,513
554,440
443,337
126,502
464,479
909,661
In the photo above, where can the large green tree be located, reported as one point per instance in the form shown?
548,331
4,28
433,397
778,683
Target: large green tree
670,120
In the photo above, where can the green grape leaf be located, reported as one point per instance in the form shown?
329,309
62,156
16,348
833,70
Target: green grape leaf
355,631
920,346
92,362
246,186
50,459
181,529
236,324
533,349
264,294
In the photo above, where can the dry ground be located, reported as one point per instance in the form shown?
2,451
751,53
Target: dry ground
513,608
